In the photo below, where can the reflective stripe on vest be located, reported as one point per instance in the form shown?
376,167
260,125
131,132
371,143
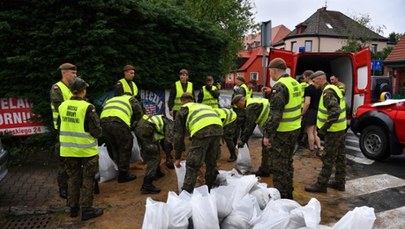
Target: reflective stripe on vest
127,88
291,119
158,123
74,140
208,99
179,93
248,93
66,94
264,114
200,116
119,107
341,123
227,115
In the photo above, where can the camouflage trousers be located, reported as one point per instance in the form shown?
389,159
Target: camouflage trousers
335,156
240,124
119,142
81,172
280,161
62,177
229,132
202,150
150,149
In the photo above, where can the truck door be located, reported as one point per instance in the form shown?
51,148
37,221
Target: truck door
361,78
289,57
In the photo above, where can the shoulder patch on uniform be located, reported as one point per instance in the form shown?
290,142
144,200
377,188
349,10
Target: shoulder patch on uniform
118,83
274,91
93,110
55,86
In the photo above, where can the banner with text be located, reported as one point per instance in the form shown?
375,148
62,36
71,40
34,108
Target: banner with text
16,116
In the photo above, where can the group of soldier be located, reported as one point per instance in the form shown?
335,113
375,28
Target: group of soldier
278,114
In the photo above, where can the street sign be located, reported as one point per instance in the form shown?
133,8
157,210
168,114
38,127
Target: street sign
376,65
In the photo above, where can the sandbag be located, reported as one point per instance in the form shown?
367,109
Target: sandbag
107,168
156,215
180,174
243,162
136,150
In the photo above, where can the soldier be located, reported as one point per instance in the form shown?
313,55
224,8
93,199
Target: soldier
257,111
240,89
150,131
179,87
251,87
60,92
209,93
79,130
118,117
332,124
335,81
205,129
228,117
282,127
127,84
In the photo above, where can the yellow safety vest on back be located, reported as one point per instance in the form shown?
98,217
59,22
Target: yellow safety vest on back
179,93
227,115
291,118
341,123
66,93
208,99
200,116
127,88
120,107
159,124
249,93
264,114
74,140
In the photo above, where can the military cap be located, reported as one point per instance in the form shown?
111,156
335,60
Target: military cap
78,84
316,74
236,99
278,63
241,78
183,71
67,66
187,95
128,67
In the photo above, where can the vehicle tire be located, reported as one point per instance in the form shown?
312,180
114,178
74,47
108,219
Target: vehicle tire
374,143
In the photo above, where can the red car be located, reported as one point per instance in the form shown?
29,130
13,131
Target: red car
381,128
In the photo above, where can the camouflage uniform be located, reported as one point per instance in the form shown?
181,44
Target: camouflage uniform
81,170
335,154
240,121
280,153
118,136
62,177
252,112
205,147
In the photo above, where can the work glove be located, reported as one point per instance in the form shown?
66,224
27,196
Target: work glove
240,144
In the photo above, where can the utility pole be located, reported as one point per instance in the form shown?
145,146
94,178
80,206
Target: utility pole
265,43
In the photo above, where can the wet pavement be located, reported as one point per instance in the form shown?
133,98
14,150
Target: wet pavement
28,194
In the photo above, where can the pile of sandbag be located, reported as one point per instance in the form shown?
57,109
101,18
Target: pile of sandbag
242,202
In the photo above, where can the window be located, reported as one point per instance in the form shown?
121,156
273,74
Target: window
254,76
374,48
308,46
239,74
294,46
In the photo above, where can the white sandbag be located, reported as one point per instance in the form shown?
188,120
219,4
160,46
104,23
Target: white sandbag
180,174
317,227
224,196
274,193
156,215
241,214
107,168
308,216
261,194
242,184
274,216
360,217
243,161
257,132
179,210
204,209
136,150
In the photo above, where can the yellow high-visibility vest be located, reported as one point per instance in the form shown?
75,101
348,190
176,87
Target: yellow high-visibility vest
158,123
179,93
74,140
264,114
341,123
120,107
200,116
227,115
291,118
208,99
66,93
127,88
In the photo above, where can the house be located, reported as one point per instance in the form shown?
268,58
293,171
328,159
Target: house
328,31
394,64
323,31
249,62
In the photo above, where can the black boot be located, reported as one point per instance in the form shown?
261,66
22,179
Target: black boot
90,213
96,187
125,177
232,158
63,192
159,174
148,187
336,185
315,188
169,163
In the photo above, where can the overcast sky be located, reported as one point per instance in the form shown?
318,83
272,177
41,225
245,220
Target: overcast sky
388,13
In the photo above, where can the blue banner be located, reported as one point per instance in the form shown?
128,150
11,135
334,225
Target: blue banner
153,101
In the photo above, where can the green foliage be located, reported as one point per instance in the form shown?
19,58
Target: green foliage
100,37
394,37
